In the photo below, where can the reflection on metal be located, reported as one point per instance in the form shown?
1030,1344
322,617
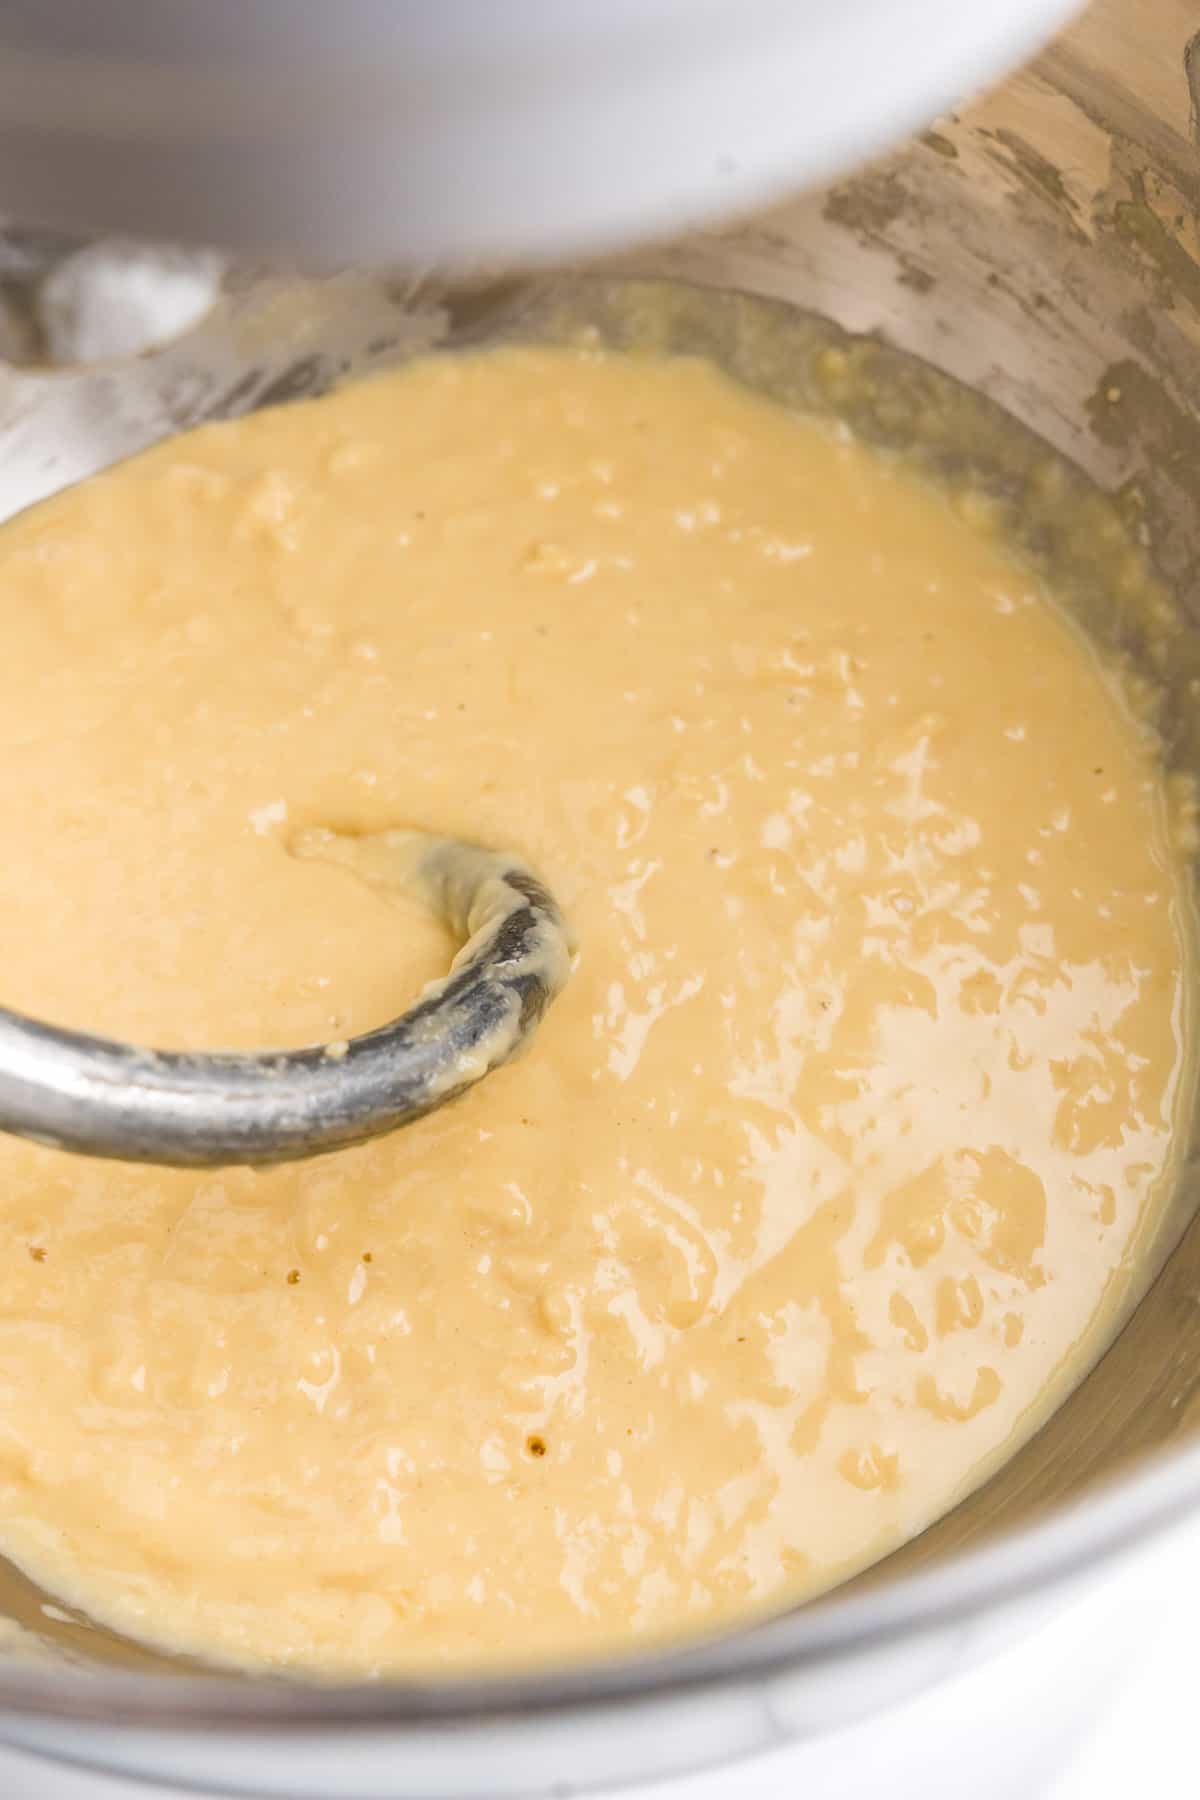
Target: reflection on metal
208,1110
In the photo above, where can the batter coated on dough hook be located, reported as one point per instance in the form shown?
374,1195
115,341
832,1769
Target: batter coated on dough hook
205,1110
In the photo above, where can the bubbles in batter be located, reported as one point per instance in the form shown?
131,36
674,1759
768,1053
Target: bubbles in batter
817,1184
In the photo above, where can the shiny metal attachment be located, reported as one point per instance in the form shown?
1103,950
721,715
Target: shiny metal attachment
104,1098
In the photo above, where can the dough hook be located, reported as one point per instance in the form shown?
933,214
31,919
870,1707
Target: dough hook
202,1110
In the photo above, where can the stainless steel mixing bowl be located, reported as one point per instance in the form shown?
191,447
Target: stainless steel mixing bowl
1044,248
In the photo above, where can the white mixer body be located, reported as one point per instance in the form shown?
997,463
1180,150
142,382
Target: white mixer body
472,131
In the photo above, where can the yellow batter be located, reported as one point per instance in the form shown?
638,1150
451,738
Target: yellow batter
816,1183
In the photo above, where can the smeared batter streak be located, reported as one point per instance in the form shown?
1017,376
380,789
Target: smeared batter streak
818,1184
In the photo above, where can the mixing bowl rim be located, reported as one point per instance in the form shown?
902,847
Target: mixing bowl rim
1047,1554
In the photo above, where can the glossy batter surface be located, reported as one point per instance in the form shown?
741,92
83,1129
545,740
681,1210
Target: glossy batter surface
817,1182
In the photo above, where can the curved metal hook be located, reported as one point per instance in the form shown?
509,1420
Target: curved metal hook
205,1110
